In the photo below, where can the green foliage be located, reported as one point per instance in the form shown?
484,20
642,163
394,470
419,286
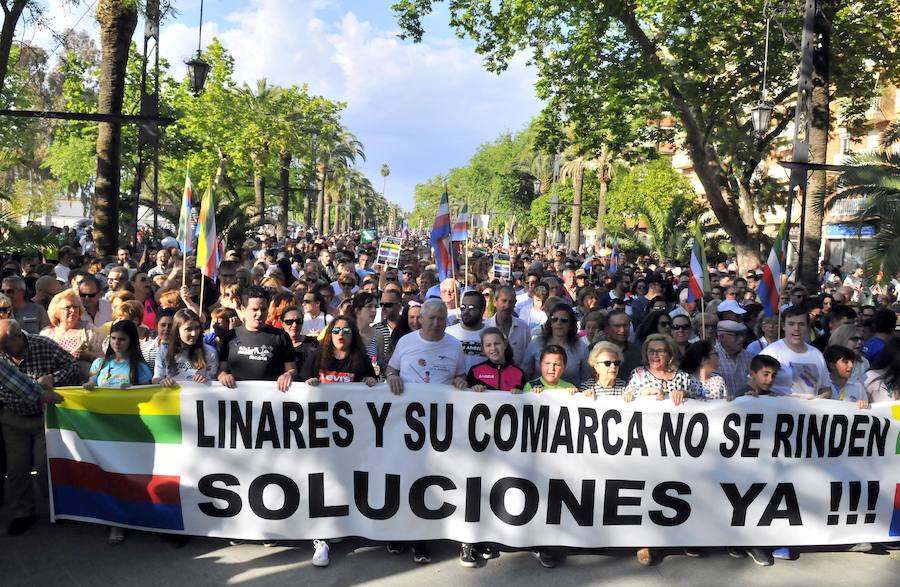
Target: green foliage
876,178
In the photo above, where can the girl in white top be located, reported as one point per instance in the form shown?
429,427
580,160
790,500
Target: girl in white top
185,357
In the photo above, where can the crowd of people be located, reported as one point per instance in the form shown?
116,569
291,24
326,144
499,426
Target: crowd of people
319,310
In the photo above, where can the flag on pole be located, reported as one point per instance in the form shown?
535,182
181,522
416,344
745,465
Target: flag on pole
185,233
404,230
588,264
614,257
770,285
460,230
698,274
440,239
207,243
506,242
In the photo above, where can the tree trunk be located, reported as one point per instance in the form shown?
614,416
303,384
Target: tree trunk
327,221
117,20
336,215
575,226
259,190
320,201
11,17
601,200
817,187
285,172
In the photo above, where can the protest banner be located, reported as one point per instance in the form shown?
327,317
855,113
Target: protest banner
501,267
438,463
389,251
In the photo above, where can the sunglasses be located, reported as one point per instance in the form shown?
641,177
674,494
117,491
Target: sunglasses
341,330
682,327
464,307
560,320
388,305
610,363
5,309
8,292
657,351
290,322
90,295
390,278
346,284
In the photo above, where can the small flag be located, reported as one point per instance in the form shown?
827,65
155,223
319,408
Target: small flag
506,242
588,264
698,282
404,230
440,239
770,285
185,231
206,241
614,257
460,230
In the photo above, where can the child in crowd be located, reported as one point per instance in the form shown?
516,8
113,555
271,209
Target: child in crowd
553,363
840,361
184,356
763,370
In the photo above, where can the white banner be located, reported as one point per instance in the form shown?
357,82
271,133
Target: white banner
520,470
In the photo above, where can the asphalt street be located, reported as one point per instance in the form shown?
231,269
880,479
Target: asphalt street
72,553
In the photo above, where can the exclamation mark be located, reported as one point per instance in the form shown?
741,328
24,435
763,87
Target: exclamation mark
874,488
836,491
855,491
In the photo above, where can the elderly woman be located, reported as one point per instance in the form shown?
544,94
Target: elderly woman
660,375
560,329
84,344
605,359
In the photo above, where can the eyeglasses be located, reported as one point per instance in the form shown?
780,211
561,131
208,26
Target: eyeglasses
657,351
609,363
89,295
290,321
560,320
682,327
63,309
346,284
341,330
388,305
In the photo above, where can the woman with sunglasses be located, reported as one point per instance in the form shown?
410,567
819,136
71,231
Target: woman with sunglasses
682,332
605,359
143,294
315,316
340,358
292,324
656,322
849,336
560,329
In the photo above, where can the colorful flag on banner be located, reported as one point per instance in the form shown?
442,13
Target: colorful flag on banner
145,420
698,275
185,231
440,239
460,230
206,240
770,284
614,257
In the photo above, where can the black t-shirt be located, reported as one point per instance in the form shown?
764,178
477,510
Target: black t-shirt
344,370
257,355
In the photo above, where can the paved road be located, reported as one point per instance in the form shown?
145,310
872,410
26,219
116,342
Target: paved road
73,553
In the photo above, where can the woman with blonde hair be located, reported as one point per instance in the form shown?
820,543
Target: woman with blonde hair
84,344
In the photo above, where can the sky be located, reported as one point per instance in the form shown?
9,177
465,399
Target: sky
421,108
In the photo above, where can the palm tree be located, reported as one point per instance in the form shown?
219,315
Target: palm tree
876,177
573,167
117,19
339,149
385,172
260,104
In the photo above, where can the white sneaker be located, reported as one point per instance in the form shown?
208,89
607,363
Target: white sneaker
320,556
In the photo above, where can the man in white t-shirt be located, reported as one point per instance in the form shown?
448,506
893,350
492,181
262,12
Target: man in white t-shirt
468,330
428,355
803,372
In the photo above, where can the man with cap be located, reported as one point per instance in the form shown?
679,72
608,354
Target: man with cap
684,307
734,360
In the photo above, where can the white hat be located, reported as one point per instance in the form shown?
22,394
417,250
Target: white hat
731,306
731,326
